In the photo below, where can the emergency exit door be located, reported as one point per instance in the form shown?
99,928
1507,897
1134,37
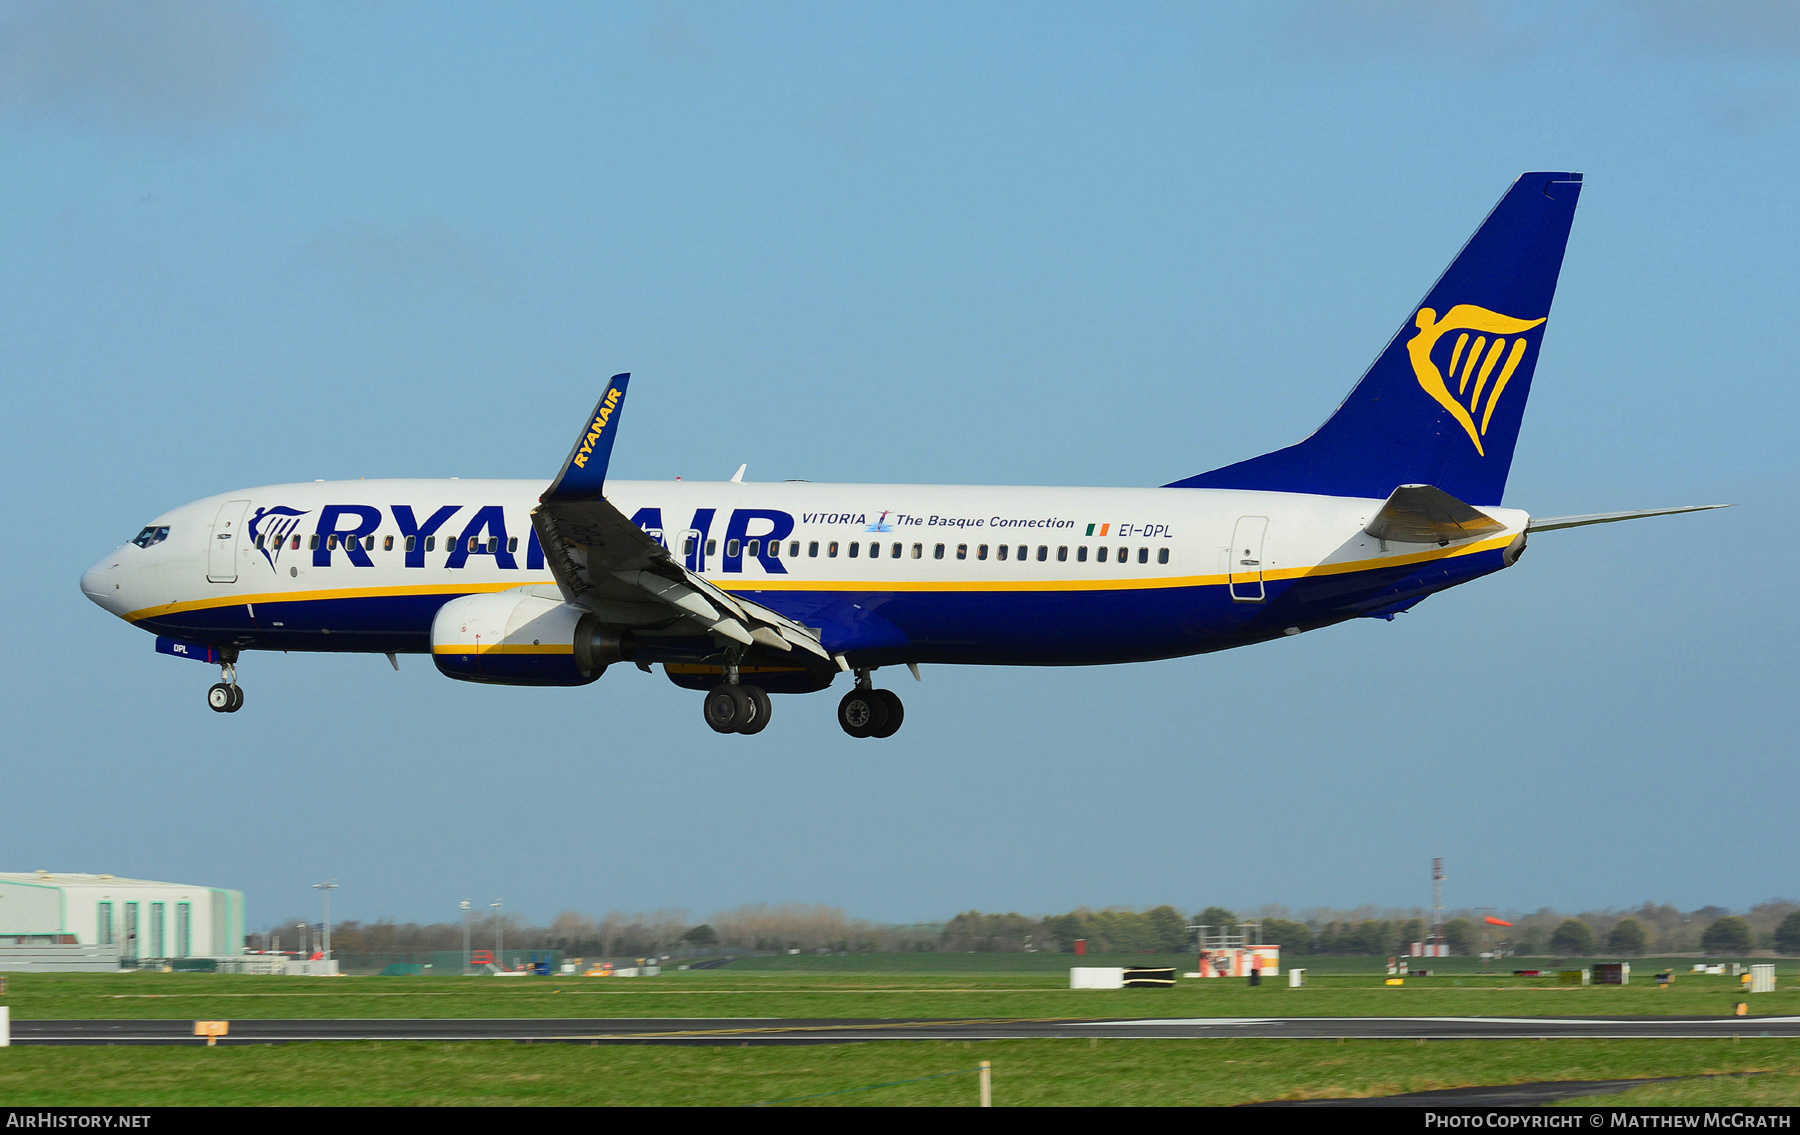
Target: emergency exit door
1245,561
221,557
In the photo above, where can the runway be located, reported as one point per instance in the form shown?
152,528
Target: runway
778,1030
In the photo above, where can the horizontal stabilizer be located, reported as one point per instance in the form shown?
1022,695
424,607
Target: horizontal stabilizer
1422,514
1552,523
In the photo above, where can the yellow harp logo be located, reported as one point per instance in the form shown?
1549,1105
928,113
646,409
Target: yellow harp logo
1475,361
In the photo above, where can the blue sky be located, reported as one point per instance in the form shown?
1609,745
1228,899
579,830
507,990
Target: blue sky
1003,243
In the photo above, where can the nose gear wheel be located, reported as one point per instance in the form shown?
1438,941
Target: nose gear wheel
226,696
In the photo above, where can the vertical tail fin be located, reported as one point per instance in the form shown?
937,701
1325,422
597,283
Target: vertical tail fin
1442,404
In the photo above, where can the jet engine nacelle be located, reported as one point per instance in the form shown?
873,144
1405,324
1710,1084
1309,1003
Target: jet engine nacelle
515,638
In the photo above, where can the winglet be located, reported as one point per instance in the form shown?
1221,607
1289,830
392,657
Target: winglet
583,474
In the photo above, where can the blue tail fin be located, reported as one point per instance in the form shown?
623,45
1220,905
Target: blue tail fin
1442,404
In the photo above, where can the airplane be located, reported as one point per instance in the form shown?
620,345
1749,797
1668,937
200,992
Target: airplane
741,590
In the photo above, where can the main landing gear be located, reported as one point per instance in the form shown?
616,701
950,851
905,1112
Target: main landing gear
732,707
226,696
869,712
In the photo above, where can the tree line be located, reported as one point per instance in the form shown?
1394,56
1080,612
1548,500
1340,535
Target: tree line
1772,926
811,928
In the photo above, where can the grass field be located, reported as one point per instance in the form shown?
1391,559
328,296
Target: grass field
1025,1071
824,988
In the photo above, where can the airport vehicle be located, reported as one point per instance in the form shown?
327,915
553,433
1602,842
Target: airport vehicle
740,590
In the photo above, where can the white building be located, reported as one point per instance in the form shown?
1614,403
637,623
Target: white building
137,918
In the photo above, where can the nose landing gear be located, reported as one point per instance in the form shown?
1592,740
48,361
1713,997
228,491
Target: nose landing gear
869,712
226,696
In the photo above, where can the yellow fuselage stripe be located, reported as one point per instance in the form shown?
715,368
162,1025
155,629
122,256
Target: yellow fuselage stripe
502,648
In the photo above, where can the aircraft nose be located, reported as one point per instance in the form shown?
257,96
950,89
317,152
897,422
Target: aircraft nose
100,583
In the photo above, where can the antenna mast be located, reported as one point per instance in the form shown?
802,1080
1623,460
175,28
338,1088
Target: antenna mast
1437,900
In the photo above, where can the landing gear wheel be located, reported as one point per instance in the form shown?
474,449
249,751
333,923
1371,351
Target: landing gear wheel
896,713
728,708
237,699
759,703
219,698
863,713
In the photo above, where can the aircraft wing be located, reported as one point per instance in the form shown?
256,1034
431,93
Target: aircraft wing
1552,523
1423,514
604,562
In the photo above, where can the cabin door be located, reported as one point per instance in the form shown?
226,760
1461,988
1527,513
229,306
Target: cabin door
227,534
1246,559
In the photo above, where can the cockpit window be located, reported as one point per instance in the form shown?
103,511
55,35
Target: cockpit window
152,534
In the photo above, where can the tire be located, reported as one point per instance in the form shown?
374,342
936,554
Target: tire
896,713
219,699
760,707
237,699
726,708
862,712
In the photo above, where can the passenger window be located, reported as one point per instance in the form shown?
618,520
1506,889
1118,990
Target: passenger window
331,542
1143,555
896,551
1081,554
1023,550
1062,553
687,545
430,543
369,543
855,546
411,542
474,544
1000,553
794,550
1100,555
1162,555
874,550
831,550
962,551
387,543
812,548
1043,552
1124,555
732,547
753,548
981,552
296,543
937,553
712,548
512,544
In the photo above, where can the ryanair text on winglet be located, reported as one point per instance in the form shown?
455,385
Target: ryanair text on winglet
597,427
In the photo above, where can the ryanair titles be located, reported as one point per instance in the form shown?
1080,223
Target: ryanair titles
597,427
456,536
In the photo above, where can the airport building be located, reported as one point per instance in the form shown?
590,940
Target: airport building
93,920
